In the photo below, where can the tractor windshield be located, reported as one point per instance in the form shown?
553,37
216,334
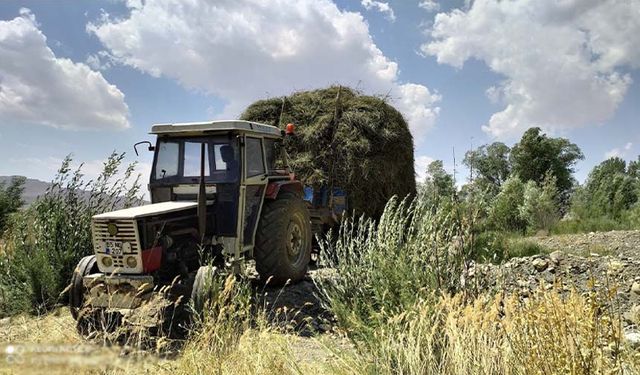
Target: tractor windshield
177,160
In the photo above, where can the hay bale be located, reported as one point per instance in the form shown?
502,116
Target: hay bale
344,139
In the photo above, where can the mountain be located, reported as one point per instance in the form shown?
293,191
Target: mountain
32,188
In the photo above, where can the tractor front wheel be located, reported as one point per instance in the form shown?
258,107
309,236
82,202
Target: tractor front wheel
283,241
86,266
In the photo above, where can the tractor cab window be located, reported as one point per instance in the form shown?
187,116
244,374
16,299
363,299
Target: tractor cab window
255,161
167,163
271,153
178,160
192,156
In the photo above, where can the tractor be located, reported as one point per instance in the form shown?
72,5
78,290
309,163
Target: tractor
221,194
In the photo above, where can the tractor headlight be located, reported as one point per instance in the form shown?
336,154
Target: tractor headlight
107,261
132,262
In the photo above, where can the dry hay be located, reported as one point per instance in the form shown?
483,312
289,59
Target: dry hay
344,139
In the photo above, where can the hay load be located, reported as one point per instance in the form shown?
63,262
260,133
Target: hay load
356,142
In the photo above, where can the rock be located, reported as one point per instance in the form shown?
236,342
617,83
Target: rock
557,256
616,266
5,321
635,288
540,264
632,336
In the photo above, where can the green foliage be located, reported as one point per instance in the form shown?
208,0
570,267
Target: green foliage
539,207
415,249
10,199
438,184
518,247
537,154
45,243
344,139
609,191
490,165
505,211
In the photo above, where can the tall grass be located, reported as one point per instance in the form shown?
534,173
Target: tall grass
546,334
45,242
384,268
403,296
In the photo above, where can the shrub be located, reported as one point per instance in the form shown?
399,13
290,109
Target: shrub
505,211
518,247
10,200
45,243
490,246
539,207
384,268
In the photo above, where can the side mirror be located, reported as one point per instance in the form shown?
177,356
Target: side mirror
150,148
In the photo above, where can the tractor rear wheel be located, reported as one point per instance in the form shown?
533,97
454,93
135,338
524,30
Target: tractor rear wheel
283,240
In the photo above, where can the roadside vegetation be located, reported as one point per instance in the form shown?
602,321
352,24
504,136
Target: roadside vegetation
402,289
44,242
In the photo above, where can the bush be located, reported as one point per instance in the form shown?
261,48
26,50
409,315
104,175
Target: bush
45,242
505,211
519,247
414,252
594,224
10,200
490,246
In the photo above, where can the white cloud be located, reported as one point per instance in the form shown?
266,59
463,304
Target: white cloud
563,60
243,50
429,5
619,152
421,163
36,87
381,7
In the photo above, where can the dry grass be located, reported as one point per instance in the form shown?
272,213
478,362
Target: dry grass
545,334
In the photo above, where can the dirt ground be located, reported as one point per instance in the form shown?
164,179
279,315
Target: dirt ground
607,261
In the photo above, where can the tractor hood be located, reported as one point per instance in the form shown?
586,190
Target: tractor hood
147,210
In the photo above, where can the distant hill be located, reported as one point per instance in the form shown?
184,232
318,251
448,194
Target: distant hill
32,188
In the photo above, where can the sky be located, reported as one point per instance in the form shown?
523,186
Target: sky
89,77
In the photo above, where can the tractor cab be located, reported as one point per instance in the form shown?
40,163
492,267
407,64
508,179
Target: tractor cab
239,163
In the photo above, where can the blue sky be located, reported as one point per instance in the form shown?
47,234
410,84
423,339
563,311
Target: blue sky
90,77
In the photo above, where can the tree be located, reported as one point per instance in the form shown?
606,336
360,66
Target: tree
505,212
491,165
438,184
539,207
10,199
537,154
610,190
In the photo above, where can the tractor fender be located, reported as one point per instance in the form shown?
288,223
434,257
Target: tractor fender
275,187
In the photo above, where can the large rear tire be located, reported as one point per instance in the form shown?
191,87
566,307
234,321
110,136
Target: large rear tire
283,240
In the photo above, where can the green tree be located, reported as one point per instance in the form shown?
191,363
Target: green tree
438,184
537,154
10,199
540,207
490,165
610,190
505,212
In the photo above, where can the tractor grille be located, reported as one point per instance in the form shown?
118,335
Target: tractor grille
127,232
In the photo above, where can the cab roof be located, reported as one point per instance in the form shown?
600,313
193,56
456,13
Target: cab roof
203,128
